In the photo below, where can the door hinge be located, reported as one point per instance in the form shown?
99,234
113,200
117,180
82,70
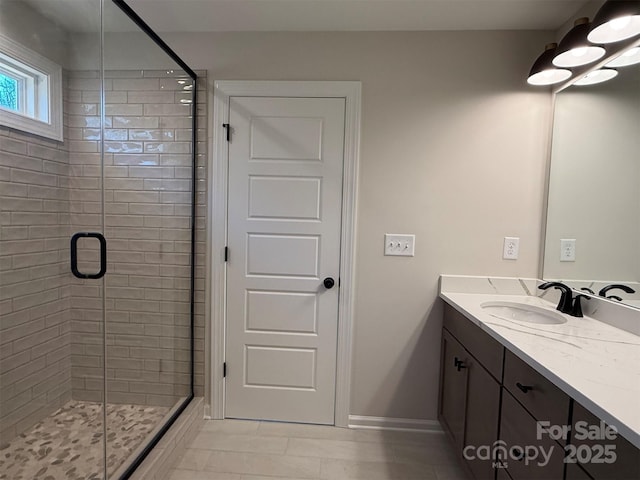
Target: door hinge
224,369
338,282
226,254
227,127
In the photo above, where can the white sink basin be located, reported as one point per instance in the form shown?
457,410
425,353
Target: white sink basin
522,312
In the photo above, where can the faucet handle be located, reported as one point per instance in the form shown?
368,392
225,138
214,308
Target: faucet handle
576,310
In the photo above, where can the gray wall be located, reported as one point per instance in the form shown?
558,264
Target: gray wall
24,25
453,149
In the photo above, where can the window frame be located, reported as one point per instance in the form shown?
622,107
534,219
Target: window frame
40,110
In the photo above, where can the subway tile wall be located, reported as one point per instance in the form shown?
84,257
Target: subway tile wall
51,331
35,356
147,195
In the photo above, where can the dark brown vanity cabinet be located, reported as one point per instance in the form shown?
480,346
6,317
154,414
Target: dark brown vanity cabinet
469,394
489,397
597,450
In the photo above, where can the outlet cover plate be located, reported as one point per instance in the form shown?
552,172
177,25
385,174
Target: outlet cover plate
399,245
567,249
511,248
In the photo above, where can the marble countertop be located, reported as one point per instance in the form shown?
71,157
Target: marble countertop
593,362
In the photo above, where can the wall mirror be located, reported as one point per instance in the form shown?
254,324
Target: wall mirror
593,216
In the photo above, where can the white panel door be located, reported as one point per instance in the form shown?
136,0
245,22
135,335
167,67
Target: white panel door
285,199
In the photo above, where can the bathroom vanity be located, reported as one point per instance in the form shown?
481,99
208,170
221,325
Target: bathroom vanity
527,400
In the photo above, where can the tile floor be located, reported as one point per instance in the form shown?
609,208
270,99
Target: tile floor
246,450
68,444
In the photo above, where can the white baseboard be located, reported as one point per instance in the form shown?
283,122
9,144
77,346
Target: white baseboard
387,423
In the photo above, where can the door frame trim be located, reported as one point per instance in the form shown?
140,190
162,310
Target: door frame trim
217,178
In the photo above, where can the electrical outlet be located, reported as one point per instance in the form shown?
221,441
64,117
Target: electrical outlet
567,249
511,248
399,245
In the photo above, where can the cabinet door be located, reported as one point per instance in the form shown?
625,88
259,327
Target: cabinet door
526,460
601,457
453,388
502,474
574,472
482,413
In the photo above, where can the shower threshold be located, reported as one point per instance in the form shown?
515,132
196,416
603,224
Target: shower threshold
68,443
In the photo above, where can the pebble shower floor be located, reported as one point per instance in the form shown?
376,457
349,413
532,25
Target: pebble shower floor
68,443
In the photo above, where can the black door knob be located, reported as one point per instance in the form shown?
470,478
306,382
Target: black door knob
329,283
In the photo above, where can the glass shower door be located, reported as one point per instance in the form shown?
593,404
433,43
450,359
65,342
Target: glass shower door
96,246
148,181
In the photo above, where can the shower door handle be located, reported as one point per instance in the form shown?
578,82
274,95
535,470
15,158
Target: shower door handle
74,254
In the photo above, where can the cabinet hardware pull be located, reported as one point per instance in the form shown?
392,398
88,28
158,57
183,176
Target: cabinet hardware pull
459,364
524,388
518,454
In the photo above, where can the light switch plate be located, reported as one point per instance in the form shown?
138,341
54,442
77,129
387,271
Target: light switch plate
511,248
400,245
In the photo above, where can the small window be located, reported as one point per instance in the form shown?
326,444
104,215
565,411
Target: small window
30,91
9,86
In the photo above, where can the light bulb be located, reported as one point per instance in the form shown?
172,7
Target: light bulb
620,23
629,57
597,76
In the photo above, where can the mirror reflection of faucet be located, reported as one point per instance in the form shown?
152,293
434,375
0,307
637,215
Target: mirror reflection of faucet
613,286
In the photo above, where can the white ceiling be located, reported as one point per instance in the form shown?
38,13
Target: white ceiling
320,15
337,15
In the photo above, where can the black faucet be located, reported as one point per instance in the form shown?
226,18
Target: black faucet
604,290
565,305
576,310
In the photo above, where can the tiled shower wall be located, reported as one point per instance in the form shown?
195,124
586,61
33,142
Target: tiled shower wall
50,333
148,217
35,374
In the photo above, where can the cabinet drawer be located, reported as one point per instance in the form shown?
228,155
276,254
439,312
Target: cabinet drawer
627,461
540,397
518,429
485,349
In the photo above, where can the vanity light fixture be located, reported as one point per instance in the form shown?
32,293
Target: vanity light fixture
630,57
597,76
574,49
616,20
543,72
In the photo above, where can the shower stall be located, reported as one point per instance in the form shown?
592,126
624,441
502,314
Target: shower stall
97,236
